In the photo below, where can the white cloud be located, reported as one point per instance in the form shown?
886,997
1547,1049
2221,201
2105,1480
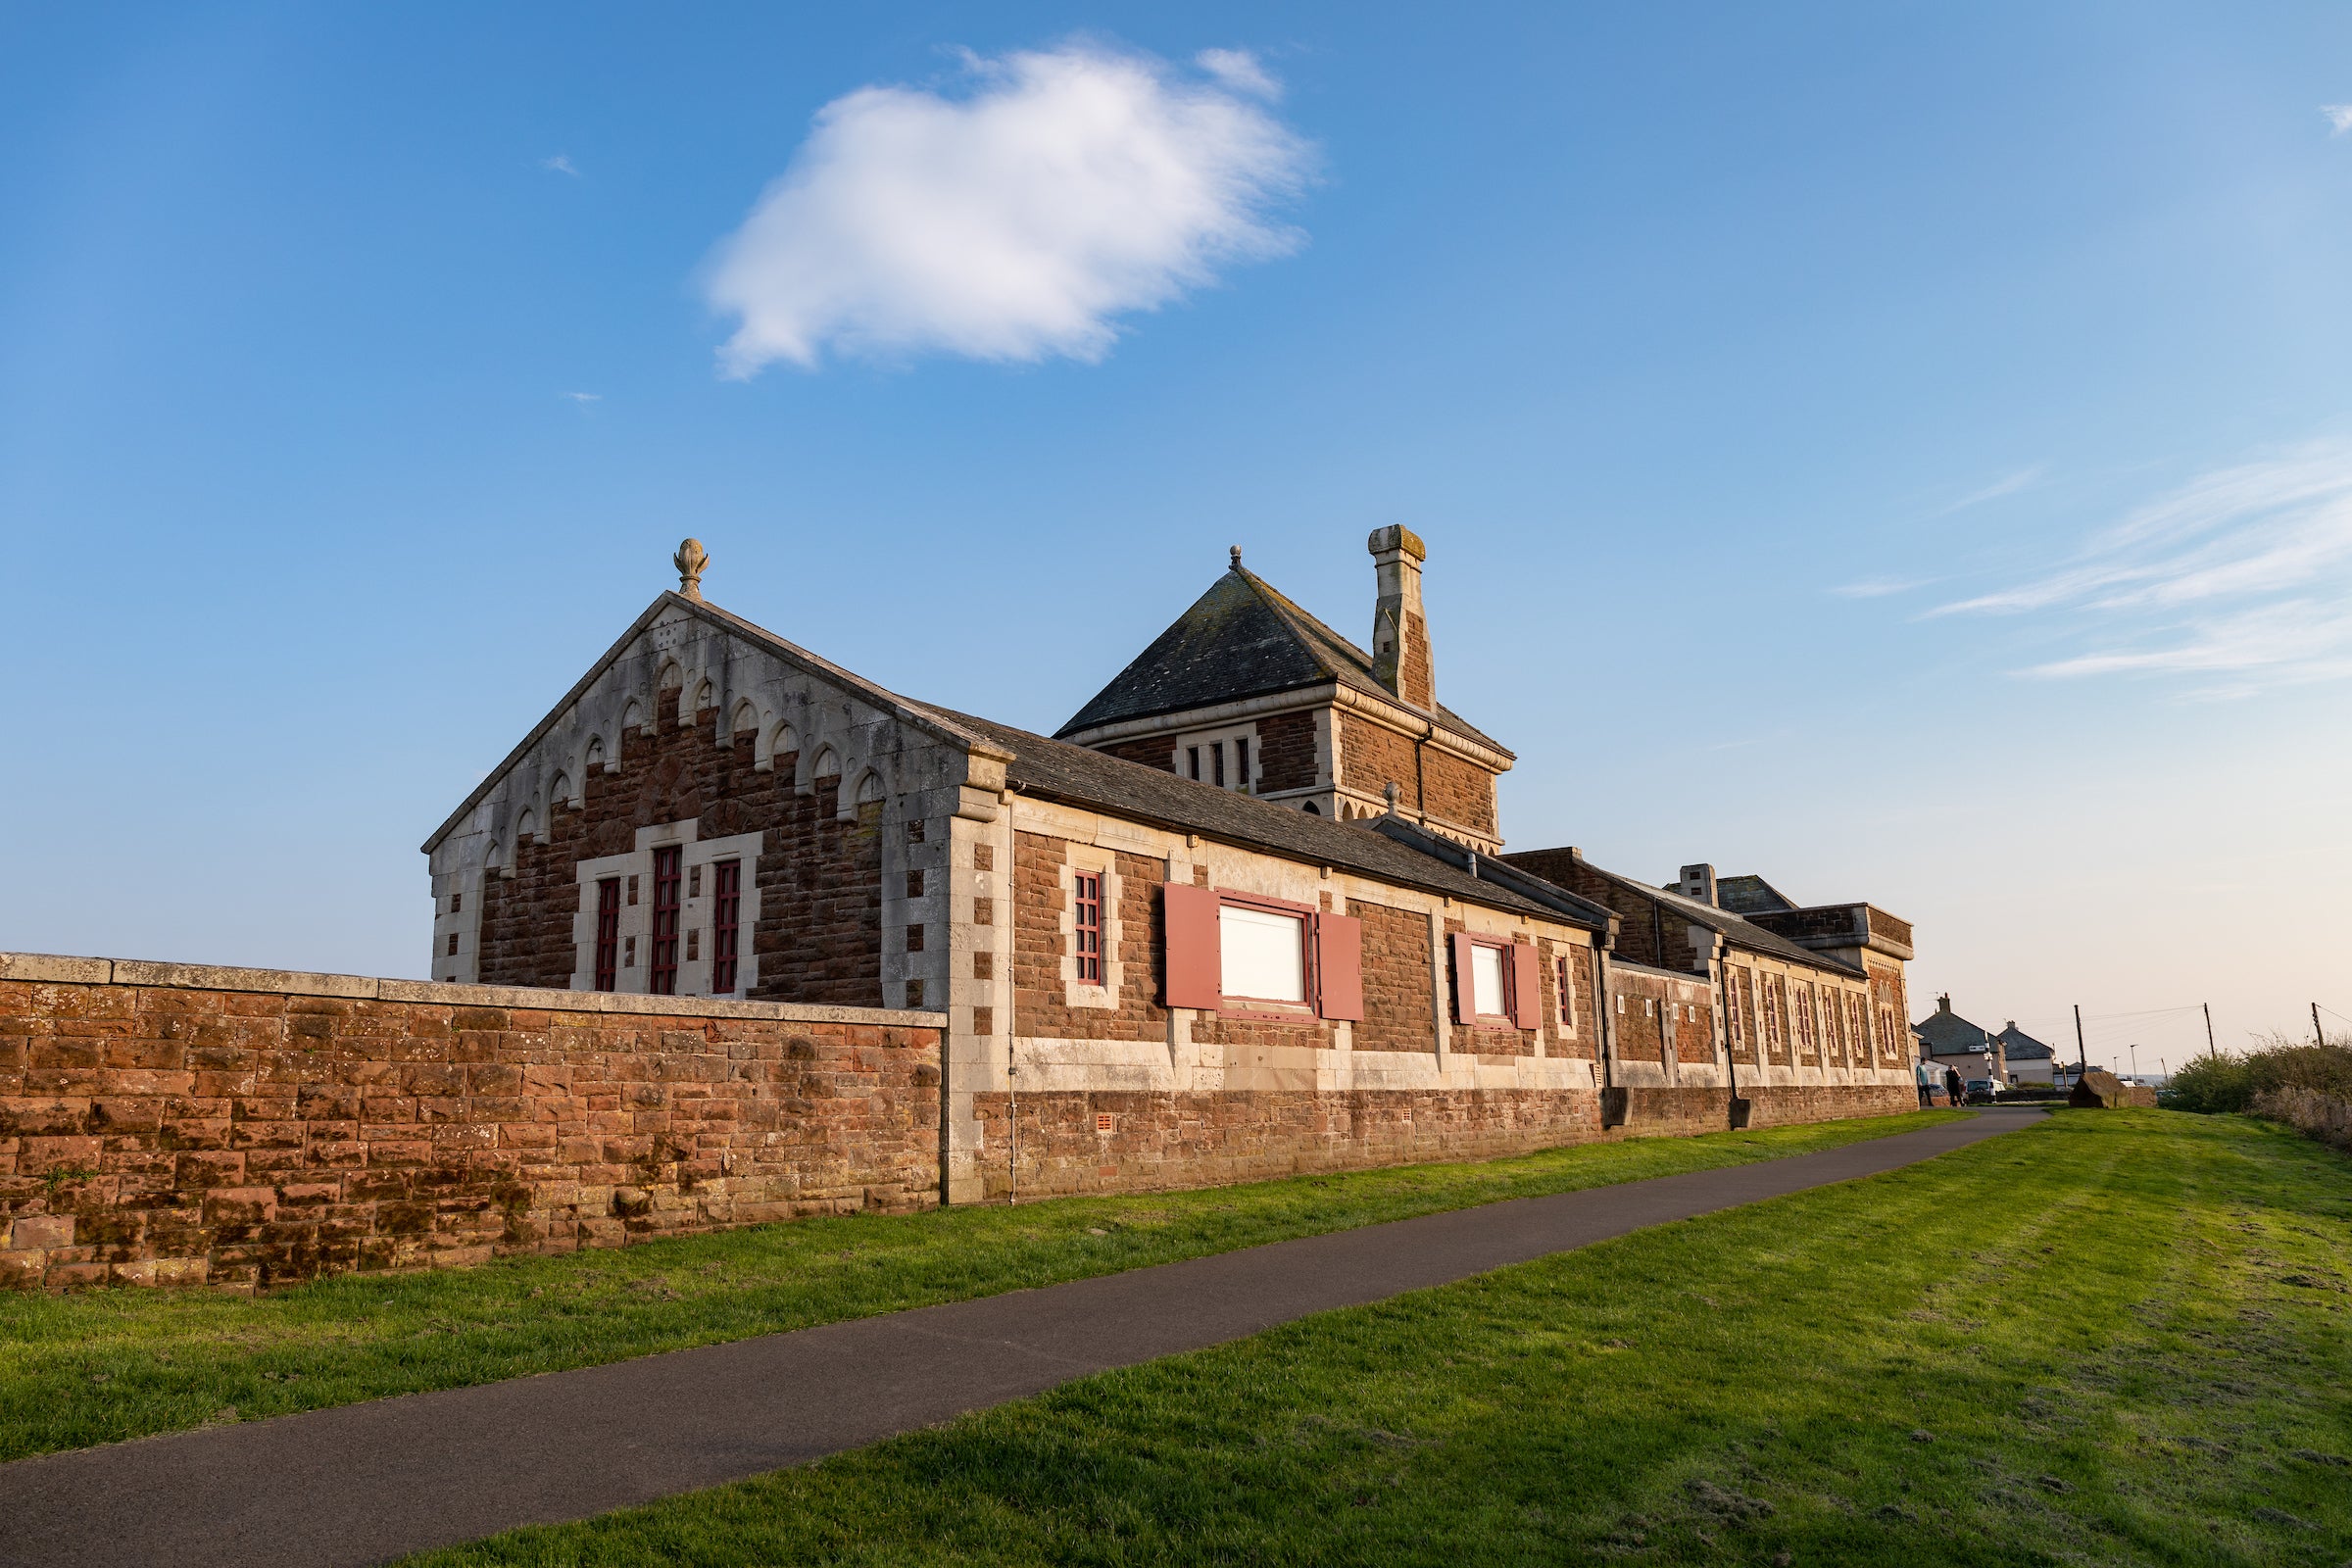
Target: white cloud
2339,117
560,164
585,398
2237,571
1880,587
1238,69
1064,189
2007,485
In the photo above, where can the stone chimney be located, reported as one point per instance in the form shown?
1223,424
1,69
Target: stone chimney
1944,1002
1698,882
1400,632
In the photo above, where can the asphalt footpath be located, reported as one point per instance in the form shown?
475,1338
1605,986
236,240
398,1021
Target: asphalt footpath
368,1482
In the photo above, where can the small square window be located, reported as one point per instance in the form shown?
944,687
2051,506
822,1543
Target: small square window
1105,1122
457,901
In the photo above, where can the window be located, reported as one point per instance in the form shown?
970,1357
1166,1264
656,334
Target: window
1086,926
452,944
1486,980
694,881
665,921
727,919
1249,955
1264,953
1564,978
608,932
1216,758
457,901
1193,760
1241,763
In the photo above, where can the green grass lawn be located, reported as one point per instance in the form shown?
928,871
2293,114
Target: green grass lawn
2118,1336
106,1365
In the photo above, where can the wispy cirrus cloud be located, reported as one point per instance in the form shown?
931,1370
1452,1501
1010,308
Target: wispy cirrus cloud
1879,587
2240,572
1018,220
559,165
2007,485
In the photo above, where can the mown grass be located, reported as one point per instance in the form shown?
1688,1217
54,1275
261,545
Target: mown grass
102,1366
2114,1338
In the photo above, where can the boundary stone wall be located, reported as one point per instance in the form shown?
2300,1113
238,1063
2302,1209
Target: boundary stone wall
1126,1141
166,1123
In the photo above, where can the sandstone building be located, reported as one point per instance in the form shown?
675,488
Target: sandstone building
1249,911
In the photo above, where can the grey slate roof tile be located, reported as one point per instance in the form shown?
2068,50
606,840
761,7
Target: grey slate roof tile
1059,771
1242,638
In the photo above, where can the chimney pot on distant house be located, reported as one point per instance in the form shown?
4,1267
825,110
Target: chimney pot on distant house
1401,658
1944,1002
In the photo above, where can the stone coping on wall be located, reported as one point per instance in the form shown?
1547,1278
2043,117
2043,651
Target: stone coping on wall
57,970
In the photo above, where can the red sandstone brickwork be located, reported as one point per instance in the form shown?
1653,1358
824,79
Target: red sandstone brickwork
1414,681
1481,1039
1372,756
1457,790
1398,1011
1286,752
1160,1141
1641,1027
819,932
1039,948
165,1135
1152,751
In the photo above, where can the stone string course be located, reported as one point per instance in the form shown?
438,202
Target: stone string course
185,1124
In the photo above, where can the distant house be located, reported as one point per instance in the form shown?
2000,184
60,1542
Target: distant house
2030,1060
1947,1040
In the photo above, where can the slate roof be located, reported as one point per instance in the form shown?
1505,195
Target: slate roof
2020,1045
1741,933
1947,1034
1243,639
1751,895
1055,769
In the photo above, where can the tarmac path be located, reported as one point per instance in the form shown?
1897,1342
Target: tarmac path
367,1483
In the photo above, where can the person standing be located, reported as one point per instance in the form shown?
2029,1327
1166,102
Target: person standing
1926,1082
1952,1090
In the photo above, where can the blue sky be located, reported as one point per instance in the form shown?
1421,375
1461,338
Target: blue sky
1903,451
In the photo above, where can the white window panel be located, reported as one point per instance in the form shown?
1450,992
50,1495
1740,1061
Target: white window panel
1486,981
1264,953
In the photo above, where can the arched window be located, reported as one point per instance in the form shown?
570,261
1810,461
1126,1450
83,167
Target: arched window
1312,809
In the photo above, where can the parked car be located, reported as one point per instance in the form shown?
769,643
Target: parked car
1980,1091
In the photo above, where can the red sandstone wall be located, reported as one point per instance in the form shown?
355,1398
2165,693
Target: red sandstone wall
1157,1141
820,933
219,1128
1152,751
1286,752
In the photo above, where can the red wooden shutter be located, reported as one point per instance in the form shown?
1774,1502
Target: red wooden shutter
1340,966
1465,989
1195,974
1526,991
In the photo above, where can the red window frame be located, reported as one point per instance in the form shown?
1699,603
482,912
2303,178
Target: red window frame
1519,1014
1086,926
1268,1007
608,933
726,921
667,879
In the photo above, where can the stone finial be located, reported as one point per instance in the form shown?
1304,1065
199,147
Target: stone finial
1235,551
690,561
1392,791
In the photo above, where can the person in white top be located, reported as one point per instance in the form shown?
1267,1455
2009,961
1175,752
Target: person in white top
1927,1083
